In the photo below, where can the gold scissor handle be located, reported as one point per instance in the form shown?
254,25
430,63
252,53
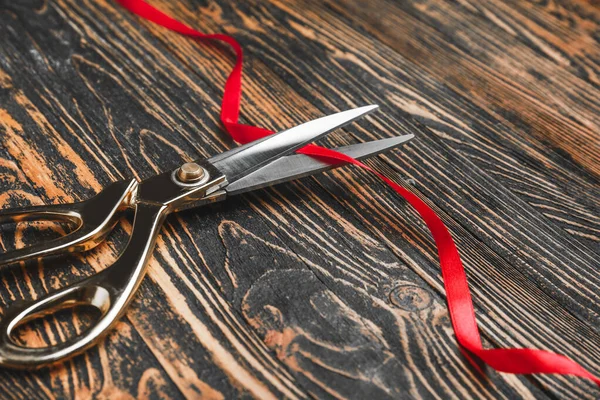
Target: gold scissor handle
94,219
110,292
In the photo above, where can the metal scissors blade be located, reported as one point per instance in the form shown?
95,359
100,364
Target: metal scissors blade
299,165
246,159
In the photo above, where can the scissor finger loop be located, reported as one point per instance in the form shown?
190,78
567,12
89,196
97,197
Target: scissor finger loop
93,219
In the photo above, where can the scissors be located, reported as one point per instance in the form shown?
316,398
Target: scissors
262,163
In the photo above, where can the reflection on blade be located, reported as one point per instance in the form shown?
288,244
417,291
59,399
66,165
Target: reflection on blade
299,165
246,159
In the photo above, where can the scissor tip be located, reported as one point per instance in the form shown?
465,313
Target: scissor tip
360,111
386,144
371,107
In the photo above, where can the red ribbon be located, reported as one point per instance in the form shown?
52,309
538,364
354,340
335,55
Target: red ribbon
460,305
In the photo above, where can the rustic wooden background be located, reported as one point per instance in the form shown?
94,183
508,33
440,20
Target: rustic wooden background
329,286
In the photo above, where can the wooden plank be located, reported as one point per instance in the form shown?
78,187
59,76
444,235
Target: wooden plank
348,311
262,43
101,81
536,198
525,65
192,55
310,81
212,354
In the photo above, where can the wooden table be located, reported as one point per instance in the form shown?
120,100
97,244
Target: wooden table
329,286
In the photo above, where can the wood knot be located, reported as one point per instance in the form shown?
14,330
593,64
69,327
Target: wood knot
410,297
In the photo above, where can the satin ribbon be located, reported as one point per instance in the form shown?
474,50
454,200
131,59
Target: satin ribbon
458,296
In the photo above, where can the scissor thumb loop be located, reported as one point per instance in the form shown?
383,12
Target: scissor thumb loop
109,292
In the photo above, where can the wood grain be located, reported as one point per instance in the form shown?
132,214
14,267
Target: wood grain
329,286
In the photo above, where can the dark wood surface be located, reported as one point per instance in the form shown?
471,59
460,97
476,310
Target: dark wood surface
328,286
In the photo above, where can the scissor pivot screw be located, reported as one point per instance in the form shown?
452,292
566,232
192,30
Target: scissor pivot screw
190,172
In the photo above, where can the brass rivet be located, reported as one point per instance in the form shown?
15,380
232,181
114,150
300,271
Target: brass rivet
190,172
